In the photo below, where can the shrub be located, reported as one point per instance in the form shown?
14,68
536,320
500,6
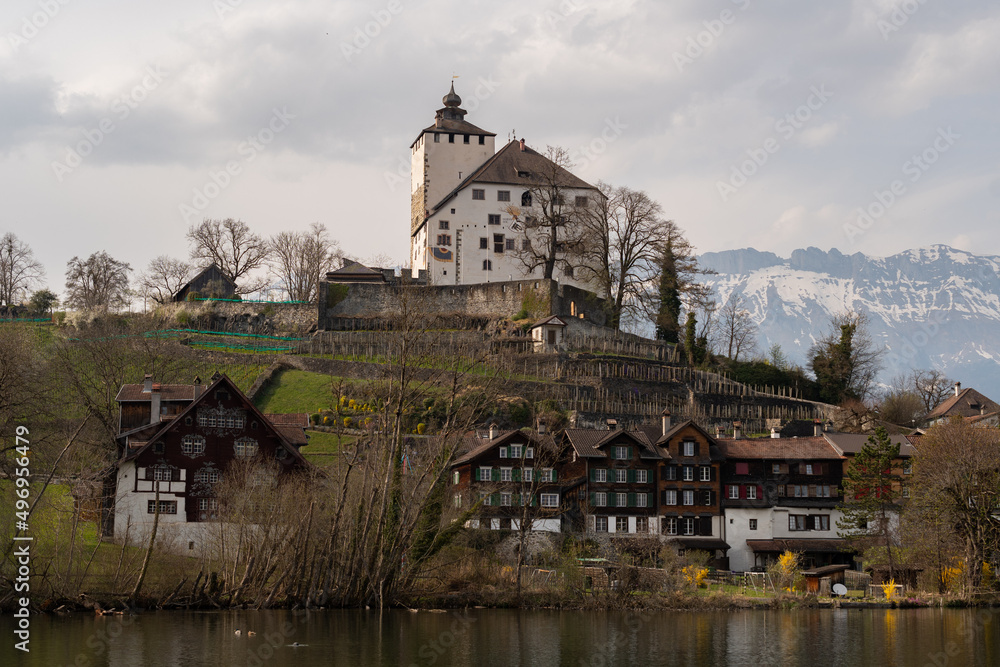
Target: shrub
348,422
421,428
183,317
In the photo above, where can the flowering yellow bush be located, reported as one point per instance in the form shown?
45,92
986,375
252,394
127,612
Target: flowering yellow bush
695,575
889,589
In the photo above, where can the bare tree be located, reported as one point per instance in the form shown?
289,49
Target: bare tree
300,260
899,404
163,278
737,332
932,386
548,214
622,232
98,282
19,270
231,246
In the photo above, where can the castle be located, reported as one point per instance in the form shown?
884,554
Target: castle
478,215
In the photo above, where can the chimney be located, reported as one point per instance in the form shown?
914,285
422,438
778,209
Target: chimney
666,421
817,428
775,433
737,430
522,145
958,388
718,431
147,384
543,426
612,424
154,404
493,430
197,386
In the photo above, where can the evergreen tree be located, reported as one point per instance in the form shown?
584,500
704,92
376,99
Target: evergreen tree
668,316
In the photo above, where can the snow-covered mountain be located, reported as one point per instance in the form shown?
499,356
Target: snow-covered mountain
933,307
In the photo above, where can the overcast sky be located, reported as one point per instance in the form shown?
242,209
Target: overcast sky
763,124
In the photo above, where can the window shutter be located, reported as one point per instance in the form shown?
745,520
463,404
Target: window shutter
593,474
631,500
697,448
630,476
712,497
593,499
743,492
663,497
711,473
495,499
477,474
630,453
516,475
534,501
706,526
553,474
495,474
612,498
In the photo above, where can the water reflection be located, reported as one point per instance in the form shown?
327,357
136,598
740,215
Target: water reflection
480,637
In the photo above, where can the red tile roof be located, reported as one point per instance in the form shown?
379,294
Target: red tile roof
815,447
300,419
168,392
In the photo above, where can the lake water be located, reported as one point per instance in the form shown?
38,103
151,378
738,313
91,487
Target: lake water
484,637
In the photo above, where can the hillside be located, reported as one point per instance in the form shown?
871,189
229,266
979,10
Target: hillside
933,307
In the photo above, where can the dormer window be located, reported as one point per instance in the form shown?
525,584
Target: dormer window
523,174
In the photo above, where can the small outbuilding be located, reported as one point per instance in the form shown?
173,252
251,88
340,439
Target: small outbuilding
548,334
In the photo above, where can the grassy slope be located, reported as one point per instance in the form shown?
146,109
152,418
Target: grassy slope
297,391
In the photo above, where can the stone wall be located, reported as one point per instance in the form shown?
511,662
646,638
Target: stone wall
536,298
243,317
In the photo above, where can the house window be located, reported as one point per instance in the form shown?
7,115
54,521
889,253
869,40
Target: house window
487,265
821,522
905,492
621,453
158,448
689,497
161,474
451,139
498,244
457,500
503,195
486,498
670,473
505,474
523,174
527,474
245,448
621,500
503,452
510,244
207,476
526,198
621,524
743,468
688,447
734,492
478,194
484,243
568,271
166,507
504,500
642,524
529,453
670,497
444,239
752,492
601,499
621,476
580,201
493,218
642,500
515,451
550,500
482,140
670,525
823,491
796,522
601,475
485,473
601,524
548,475
443,224
465,138
688,473
456,477
753,524
809,469
709,500
642,476
776,468
193,445
907,467
705,473
437,138
525,244
688,526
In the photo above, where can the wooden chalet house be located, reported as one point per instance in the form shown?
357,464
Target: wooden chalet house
782,494
210,283
614,472
506,472
688,486
170,464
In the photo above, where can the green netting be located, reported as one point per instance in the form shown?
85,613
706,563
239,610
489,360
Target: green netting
161,332
26,319
297,303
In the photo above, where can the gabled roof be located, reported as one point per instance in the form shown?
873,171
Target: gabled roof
300,419
714,452
211,267
852,443
283,438
502,438
968,403
812,448
552,321
168,392
588,441
354,271
503,169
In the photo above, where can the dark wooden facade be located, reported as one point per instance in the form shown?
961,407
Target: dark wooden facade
689,482
210,283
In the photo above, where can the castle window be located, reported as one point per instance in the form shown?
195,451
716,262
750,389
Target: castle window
568,271
503,195
482,140
526,198
437,138
525,245
494,218
465,139
478,194
443,224
581,201
510,244
498,243
451,138
484,243
487,265
444,239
